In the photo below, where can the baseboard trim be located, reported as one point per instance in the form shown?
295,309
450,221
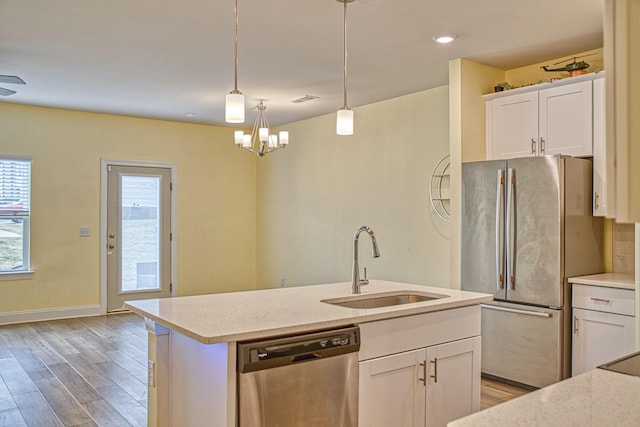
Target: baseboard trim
12,317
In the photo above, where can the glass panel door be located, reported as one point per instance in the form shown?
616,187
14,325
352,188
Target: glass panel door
138,240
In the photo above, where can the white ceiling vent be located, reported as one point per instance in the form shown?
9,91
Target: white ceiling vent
305,98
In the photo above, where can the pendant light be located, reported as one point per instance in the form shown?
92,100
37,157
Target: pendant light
344,119
234,101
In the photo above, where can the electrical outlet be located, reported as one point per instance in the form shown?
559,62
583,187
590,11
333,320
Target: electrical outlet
282,280
151,368
85,232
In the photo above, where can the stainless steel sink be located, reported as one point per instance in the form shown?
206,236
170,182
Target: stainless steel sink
383,299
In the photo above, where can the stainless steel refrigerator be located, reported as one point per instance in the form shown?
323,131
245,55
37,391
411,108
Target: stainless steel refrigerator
527,226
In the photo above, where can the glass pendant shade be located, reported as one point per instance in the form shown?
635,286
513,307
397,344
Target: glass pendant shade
344,122
284,137
234,108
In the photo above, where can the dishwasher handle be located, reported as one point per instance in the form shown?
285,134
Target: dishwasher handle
267,354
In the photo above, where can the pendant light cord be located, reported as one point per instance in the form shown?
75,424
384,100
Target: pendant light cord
235,72
345,53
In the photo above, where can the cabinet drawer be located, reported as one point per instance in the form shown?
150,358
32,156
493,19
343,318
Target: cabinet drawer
610,300
401,334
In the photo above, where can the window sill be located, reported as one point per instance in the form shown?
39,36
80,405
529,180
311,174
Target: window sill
16,275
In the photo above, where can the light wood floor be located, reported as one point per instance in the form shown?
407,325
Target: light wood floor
92,372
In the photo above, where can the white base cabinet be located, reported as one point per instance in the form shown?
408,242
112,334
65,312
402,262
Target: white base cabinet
427,386
603,326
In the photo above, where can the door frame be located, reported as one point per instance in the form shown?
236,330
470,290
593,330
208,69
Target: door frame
104,164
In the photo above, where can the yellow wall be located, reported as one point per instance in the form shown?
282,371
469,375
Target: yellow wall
314,195
468,81
532,74
216,201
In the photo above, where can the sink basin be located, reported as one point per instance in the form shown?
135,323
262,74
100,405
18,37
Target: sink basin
383,299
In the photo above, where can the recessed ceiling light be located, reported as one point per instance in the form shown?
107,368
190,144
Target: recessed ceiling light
190,114
445,38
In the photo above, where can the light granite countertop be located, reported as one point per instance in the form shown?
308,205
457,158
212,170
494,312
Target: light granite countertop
235,316
595,398
608,280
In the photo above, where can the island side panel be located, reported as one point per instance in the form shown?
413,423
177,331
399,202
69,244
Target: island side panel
203,382
158,391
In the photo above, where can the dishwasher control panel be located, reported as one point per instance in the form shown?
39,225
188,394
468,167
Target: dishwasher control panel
282,351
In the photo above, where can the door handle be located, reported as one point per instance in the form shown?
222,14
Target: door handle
575,325
533,146
423,365
499,231
511,227
542,145
435,369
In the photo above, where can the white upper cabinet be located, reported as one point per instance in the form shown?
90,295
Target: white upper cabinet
565,120
512,126
549,118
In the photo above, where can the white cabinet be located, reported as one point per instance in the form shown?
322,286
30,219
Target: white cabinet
541,119
416,385
603,326
602,205
512,126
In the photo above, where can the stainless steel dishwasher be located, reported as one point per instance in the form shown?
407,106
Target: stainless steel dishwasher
304,380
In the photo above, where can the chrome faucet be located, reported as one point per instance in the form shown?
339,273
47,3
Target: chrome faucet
355,271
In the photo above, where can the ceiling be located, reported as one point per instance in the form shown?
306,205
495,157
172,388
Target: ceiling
164,59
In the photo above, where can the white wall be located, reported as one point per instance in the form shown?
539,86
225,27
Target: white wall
312,196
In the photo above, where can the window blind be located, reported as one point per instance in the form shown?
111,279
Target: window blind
15,186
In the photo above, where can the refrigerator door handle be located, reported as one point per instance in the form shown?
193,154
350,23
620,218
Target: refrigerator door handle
511,227
500,231
515,310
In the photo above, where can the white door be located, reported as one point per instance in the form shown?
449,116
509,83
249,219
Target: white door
453,381
138,234
512,126
598,338
566,120
392,391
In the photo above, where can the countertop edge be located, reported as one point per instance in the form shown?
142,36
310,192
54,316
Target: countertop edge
373,315
607,280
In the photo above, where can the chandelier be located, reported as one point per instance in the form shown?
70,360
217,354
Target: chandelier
261,141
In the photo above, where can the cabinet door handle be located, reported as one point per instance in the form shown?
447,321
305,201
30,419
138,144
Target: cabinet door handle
596,198
542,145
600,299
575,325
424,373
435,369
533,146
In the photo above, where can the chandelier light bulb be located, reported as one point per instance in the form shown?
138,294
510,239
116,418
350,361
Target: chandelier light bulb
284,137
239,137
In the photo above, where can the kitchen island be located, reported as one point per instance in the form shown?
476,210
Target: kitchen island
192,340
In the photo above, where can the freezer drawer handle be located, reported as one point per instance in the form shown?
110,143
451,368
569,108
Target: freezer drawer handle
600,299
515,310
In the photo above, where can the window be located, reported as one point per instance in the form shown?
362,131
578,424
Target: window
15,198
